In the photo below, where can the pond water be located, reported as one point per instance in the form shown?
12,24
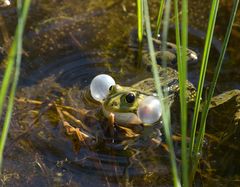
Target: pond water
66,44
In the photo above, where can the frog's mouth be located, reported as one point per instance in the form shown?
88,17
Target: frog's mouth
123,118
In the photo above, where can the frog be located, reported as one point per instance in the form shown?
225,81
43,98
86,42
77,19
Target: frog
123,101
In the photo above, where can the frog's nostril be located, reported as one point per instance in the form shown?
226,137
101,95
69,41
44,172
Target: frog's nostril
114,103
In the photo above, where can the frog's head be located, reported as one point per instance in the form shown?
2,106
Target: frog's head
128,105
123,102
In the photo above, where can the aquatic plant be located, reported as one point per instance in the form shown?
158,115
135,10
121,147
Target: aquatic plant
11,75
190,158
159,19
165,107
196,147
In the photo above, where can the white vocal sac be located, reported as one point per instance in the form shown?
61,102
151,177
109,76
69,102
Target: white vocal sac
100,85
149,110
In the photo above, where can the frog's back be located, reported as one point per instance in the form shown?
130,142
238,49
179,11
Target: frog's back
168,80
168,76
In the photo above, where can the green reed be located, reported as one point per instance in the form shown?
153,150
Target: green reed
140,20
207,46
217,72
140,31
11,75
189,160
199,140
182,69
159,19
165,107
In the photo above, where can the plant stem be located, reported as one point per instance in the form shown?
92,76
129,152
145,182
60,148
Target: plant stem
209,36
165,108
200,136
140,20
159,19
183,90
13,58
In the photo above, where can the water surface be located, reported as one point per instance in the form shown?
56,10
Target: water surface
67,43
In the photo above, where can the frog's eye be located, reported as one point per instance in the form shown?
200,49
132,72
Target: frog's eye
100,86
130,98
149,110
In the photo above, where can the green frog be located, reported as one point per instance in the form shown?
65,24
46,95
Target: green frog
124,101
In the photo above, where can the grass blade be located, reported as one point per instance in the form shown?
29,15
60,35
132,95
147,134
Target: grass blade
166,110
159,19
182,68
14,58
140,20
140,31
183,90
200,136
211,25
7,77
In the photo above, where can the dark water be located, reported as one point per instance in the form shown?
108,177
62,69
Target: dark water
67,43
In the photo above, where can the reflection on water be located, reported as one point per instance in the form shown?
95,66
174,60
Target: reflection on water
65,45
